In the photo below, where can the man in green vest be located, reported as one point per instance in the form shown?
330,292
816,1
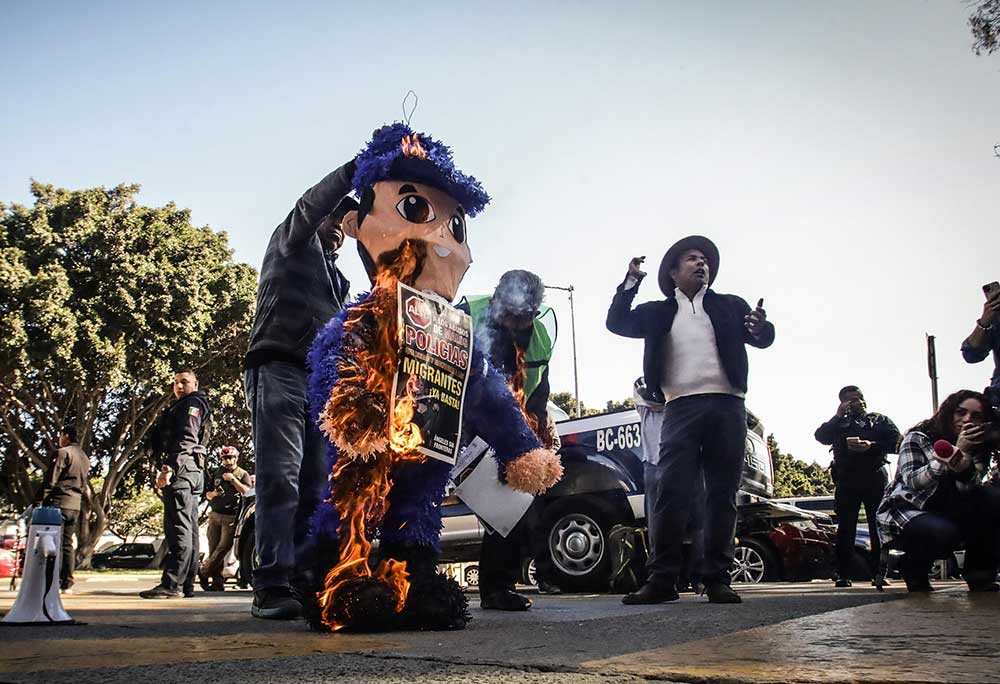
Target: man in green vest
508,326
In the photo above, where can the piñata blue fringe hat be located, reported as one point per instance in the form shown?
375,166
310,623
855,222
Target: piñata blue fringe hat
396,152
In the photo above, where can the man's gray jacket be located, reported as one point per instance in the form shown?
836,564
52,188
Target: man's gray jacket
300,286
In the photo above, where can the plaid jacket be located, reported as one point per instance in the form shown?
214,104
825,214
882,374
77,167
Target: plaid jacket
918,475
300,287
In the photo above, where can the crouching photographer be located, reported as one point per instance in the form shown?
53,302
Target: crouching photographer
942,496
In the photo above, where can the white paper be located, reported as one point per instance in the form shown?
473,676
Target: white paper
498,506
476,448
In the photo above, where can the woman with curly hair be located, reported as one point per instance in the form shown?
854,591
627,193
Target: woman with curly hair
937,503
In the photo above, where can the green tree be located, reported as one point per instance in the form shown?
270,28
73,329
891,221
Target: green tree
985,26
567,402
619,405
137,516
100,299
793,477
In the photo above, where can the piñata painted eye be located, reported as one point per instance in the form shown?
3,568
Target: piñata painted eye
415,209
457,226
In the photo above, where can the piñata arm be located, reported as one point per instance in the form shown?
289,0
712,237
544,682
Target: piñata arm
493,413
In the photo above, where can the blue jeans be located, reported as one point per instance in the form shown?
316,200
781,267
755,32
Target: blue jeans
702,434
291,470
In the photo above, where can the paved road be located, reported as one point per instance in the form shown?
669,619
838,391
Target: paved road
781,633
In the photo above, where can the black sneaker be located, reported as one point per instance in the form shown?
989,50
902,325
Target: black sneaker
981,582
505,599
275,603
651,593
842,583
546,587
203,581
984,587
722,593
160,592
918,584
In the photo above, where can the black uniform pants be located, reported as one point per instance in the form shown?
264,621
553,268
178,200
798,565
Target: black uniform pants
500,557
703,434
68,563
180,527
850,494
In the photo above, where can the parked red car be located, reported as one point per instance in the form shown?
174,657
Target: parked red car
6,563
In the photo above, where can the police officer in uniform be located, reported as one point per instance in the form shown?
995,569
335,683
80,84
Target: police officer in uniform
179,439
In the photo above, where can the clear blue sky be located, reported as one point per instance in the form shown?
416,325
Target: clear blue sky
840,154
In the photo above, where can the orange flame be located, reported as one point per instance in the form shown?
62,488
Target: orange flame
517,389
412,147
370,439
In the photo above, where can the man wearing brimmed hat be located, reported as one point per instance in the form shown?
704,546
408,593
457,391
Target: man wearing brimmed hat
695,361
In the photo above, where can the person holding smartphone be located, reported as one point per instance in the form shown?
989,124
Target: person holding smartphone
985,338
939,501
860,440
228,485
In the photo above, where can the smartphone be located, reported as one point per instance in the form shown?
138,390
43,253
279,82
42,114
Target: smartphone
990,289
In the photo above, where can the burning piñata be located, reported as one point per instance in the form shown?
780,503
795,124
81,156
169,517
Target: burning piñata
411,228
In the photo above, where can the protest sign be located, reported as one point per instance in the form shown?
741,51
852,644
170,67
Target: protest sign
434,360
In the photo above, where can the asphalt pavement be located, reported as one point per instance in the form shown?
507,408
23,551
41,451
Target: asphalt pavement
807,632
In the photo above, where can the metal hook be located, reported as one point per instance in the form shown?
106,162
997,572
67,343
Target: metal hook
407,117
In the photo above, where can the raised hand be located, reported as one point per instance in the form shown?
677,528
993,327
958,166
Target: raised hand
755,320
634,267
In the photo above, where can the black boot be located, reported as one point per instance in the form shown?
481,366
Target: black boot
915,575
651,592
503,599
981,582
546,587
721,593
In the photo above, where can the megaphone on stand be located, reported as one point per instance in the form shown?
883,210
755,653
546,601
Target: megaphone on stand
38,601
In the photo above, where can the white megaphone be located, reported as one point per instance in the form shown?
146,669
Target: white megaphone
38,601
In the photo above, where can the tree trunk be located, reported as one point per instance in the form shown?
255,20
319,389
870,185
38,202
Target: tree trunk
93,522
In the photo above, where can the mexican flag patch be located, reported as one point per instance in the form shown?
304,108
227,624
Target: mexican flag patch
194,411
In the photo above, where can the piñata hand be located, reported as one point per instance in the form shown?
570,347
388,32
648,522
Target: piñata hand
534,471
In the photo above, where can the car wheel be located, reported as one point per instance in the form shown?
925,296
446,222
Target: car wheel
472,576
577,532
528,572
753,562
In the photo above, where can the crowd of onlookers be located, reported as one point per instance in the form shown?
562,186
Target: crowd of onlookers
945,493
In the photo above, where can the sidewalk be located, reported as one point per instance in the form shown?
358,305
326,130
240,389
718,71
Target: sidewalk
949,636
807,633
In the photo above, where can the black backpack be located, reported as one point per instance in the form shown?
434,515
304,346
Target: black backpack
629,550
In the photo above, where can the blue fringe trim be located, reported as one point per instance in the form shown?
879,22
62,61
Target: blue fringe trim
375,163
